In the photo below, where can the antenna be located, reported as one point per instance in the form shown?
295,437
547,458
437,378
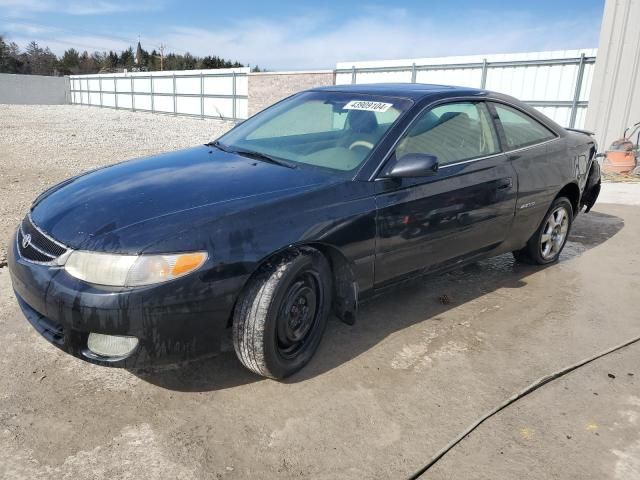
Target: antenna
162,48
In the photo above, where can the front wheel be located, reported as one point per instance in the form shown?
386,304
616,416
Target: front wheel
547,242
282,313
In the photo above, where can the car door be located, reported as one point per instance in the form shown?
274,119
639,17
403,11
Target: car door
538,156
464,210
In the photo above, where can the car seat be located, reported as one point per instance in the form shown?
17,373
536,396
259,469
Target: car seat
360,125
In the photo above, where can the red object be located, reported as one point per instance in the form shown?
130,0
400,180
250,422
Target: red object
622,154
619,161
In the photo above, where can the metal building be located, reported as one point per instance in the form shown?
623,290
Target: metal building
615,93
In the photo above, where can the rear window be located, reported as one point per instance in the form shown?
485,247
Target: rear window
520,129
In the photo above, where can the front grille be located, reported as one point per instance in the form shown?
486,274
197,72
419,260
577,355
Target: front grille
35,245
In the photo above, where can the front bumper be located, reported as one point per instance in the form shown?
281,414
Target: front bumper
174,321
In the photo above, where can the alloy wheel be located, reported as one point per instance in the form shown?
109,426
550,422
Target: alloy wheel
554,233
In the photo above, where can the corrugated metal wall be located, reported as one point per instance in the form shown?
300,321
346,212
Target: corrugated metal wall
615,101
532,77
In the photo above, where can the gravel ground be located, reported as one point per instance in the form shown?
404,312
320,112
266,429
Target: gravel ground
43,145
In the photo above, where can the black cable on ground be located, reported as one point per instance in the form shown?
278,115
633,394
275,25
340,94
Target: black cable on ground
531,388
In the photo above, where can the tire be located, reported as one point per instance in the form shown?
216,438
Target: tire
282,313
546,244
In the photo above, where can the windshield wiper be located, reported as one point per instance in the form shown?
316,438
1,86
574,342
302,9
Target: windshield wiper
252,154
218,145
264,157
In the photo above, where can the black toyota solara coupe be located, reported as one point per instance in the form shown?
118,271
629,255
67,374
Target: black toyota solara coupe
301,211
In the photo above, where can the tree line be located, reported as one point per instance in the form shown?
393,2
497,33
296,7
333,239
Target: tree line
35,60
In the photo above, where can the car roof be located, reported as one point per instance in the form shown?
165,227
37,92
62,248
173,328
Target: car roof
413,91
419,91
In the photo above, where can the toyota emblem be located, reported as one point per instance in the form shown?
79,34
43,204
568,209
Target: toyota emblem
26,241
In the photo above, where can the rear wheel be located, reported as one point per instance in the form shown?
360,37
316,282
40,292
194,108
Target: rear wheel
282,313
547,242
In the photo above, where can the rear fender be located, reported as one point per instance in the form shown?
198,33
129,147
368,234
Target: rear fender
592,188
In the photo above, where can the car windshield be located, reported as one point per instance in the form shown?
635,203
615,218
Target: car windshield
334,130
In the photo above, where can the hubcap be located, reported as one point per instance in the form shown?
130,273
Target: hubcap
298,314
554,233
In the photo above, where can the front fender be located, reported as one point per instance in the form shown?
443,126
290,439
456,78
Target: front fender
338,219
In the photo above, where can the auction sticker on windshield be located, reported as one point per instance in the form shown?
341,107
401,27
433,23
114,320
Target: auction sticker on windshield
366,105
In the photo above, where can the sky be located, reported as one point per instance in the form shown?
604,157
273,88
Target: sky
301,34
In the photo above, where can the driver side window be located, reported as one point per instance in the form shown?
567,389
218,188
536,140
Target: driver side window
453,132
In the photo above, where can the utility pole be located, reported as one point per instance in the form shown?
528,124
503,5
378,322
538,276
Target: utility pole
162,49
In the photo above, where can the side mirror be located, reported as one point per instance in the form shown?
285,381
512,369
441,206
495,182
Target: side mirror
414,165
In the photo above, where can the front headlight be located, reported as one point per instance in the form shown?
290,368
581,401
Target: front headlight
131,270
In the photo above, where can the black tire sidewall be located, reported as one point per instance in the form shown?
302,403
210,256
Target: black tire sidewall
278,366
534,247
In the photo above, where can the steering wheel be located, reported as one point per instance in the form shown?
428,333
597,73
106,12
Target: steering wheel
361,143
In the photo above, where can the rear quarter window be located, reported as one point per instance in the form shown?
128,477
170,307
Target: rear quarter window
521,130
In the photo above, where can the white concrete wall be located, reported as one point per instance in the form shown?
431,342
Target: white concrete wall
134,91
528,83
32,90
615,100
267,88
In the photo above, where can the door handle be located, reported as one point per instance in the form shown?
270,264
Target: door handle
505,183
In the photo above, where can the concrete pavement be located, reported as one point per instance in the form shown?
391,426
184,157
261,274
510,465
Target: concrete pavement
379,399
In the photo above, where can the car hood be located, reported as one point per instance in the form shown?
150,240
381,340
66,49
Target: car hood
79,211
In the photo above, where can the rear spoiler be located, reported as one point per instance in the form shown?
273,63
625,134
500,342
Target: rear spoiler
586,132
